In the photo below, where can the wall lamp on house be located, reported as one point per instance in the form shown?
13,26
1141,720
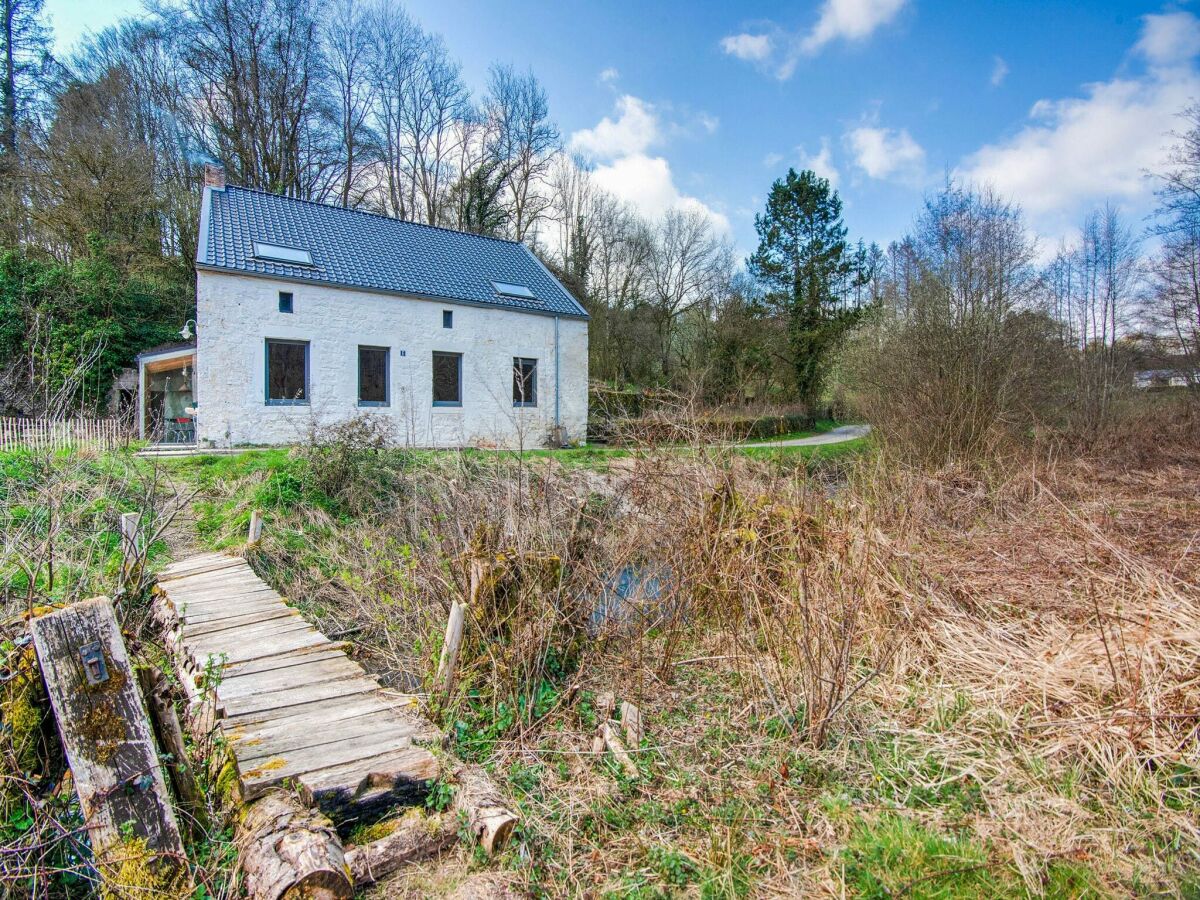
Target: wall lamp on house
186,331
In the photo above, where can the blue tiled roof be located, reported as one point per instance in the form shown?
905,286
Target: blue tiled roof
361,250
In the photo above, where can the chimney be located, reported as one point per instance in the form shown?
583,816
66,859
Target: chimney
214,176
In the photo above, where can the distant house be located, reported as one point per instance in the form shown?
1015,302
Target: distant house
307,313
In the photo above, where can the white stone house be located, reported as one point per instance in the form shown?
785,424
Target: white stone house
311,314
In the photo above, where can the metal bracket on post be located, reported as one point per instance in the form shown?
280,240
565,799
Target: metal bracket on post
94,666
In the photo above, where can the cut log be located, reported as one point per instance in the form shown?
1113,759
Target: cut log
289,852
111,749
449,657
617,749
487,817
415,836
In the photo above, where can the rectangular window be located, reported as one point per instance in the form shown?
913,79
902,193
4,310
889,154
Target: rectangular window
447,318
287,372
447,379
285,301
373,376
524,381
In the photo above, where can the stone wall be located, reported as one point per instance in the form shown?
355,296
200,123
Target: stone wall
237,313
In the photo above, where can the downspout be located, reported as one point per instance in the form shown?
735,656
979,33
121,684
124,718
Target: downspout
141,400
557,420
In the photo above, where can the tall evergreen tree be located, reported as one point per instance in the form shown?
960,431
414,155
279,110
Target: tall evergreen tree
808,269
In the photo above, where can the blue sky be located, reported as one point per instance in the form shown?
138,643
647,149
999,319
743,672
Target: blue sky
1060,105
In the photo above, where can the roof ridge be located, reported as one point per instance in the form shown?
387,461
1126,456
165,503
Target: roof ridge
373,215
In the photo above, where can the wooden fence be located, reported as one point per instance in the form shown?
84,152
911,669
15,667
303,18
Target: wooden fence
59,434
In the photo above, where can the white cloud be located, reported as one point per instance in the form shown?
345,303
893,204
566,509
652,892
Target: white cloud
1169,38
750,47
771,160
609,75
634,130
1077,152
851,20
777,51
621,144
999,71
886,153
821,163
647,183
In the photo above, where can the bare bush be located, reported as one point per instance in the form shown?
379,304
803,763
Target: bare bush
957,359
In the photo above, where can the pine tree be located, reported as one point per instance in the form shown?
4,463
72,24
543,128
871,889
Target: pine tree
808,269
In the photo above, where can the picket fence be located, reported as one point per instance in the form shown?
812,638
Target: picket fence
59,434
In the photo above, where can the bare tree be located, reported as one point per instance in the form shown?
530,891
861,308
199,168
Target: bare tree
1093,286
519,117
395,46
688,266
258,66
346,35
1174,298
434,107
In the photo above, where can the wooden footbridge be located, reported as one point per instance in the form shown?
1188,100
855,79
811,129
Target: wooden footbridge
292,705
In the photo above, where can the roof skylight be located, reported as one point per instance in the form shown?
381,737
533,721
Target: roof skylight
279,253
513,290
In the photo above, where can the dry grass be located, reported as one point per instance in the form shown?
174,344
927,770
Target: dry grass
882,674
874,682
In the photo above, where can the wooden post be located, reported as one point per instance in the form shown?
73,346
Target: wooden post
156,693
129,537
256,526
110,746
449,658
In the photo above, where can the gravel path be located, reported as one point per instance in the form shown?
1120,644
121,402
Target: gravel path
836,436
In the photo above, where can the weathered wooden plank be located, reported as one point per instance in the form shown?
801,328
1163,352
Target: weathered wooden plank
196,559
214,572
368,788
110,744
214,564
294,696
276,679
228,606
273,647
386,733
405,762
258,617
230,584
285,660
313,714
248,634
297,733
